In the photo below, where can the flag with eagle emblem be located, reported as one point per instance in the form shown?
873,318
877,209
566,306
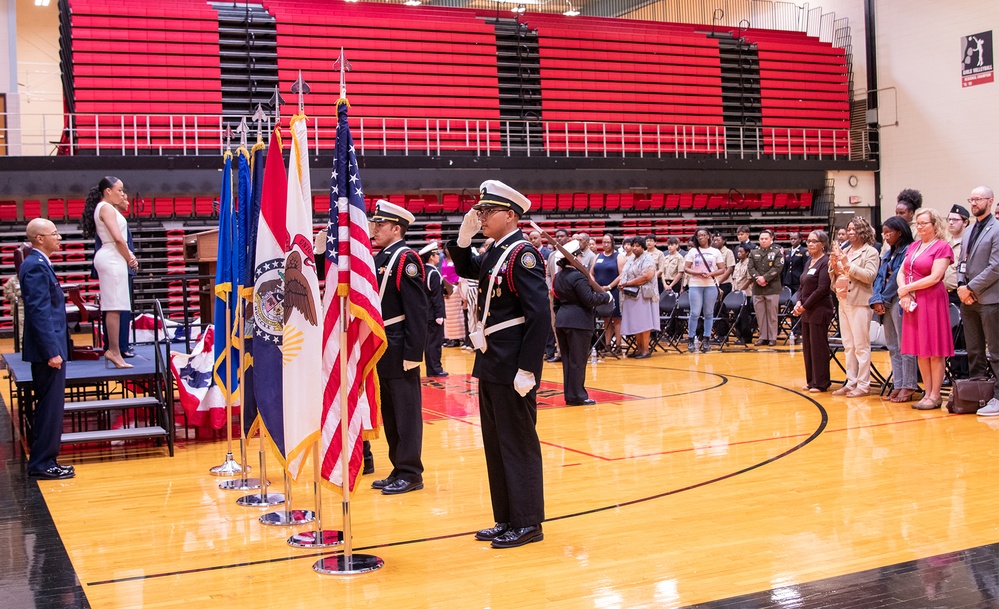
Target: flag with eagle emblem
302,347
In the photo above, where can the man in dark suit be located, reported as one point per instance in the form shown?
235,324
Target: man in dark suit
978,289
405,309
514,322
45,346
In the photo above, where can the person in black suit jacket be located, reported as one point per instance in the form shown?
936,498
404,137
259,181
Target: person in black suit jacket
815,307
45,345
404,308
574,324
431,256
514,322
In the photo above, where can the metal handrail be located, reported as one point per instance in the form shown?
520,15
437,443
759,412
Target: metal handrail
198,135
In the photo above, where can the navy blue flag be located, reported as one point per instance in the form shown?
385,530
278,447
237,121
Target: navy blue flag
248,215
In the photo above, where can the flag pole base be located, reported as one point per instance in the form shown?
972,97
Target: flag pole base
288,518
308,539
261,500
228,468
241,484
342,565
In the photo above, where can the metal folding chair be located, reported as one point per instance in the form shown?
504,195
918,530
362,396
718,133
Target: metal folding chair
731,309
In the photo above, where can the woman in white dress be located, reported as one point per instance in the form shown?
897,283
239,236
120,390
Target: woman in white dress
101,216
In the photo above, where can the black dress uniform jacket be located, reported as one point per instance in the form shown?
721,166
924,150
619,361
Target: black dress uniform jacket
575,300
435,331
523,346
795,259
406,295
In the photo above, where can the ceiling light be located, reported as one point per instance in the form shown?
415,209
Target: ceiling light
571,12
41,2
412,3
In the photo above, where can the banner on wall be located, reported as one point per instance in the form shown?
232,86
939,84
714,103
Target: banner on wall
976,59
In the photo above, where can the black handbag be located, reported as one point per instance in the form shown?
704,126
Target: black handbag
631,291
968,395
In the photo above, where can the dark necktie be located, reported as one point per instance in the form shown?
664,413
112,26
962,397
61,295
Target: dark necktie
974,234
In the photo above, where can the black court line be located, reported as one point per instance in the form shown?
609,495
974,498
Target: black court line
822,425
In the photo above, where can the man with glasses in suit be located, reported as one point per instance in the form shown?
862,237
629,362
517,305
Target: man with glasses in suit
978,289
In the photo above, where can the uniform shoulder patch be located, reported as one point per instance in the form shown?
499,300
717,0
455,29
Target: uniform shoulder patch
529,260
412,270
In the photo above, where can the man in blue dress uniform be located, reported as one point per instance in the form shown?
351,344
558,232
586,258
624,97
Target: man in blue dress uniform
46,347
513,324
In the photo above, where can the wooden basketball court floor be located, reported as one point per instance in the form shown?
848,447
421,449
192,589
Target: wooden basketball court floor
709,480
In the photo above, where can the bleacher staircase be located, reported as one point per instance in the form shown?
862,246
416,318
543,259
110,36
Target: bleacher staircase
740,75
248,54
518,67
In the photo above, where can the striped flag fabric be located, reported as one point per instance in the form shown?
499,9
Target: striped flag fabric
268,295
302,344
348,250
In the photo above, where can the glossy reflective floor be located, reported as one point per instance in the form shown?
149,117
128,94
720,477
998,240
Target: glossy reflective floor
708,480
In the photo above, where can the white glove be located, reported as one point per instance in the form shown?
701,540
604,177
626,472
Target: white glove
470,226
610,297
523,382
408,365
440,321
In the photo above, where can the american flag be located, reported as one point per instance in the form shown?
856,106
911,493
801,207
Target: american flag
348,249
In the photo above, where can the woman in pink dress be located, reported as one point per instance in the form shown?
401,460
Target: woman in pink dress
926,331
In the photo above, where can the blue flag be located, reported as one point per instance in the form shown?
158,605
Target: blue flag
248,216
226,373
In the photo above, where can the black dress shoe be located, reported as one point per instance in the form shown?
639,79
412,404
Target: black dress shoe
586,402
492,532
53,473
518,537
128,353
369,465
401,486
68,468
439,374
380,484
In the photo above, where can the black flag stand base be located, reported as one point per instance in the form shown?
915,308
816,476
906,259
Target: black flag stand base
342,564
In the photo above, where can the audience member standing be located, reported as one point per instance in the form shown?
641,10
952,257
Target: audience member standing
765,265
815,307
607,273
431,257
725,279
45,346
926,331
703,265
884,301
101,217
454,300
978,289
741,282
957,222
574,322
671,270
742,234
585,255
639,296
795,258
853,271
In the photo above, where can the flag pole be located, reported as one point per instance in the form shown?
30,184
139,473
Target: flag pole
229,467
288,516
263,499
347,563
320,538
243,483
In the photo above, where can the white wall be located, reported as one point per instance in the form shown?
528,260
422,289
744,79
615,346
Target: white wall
8,74
947,138
38,78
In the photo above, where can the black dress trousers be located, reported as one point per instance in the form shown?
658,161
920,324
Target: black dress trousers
575,346
49,388
402,415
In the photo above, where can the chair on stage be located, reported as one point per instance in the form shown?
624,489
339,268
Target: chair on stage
78,312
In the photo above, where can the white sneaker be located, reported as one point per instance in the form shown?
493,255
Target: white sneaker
989,410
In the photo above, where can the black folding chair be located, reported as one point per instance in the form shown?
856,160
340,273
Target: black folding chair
667,323
957,329
731,309
785,304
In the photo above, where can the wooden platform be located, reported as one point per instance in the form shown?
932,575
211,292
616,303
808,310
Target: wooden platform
695,478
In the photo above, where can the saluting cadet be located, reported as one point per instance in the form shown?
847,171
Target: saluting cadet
404,308
513,324
431,256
